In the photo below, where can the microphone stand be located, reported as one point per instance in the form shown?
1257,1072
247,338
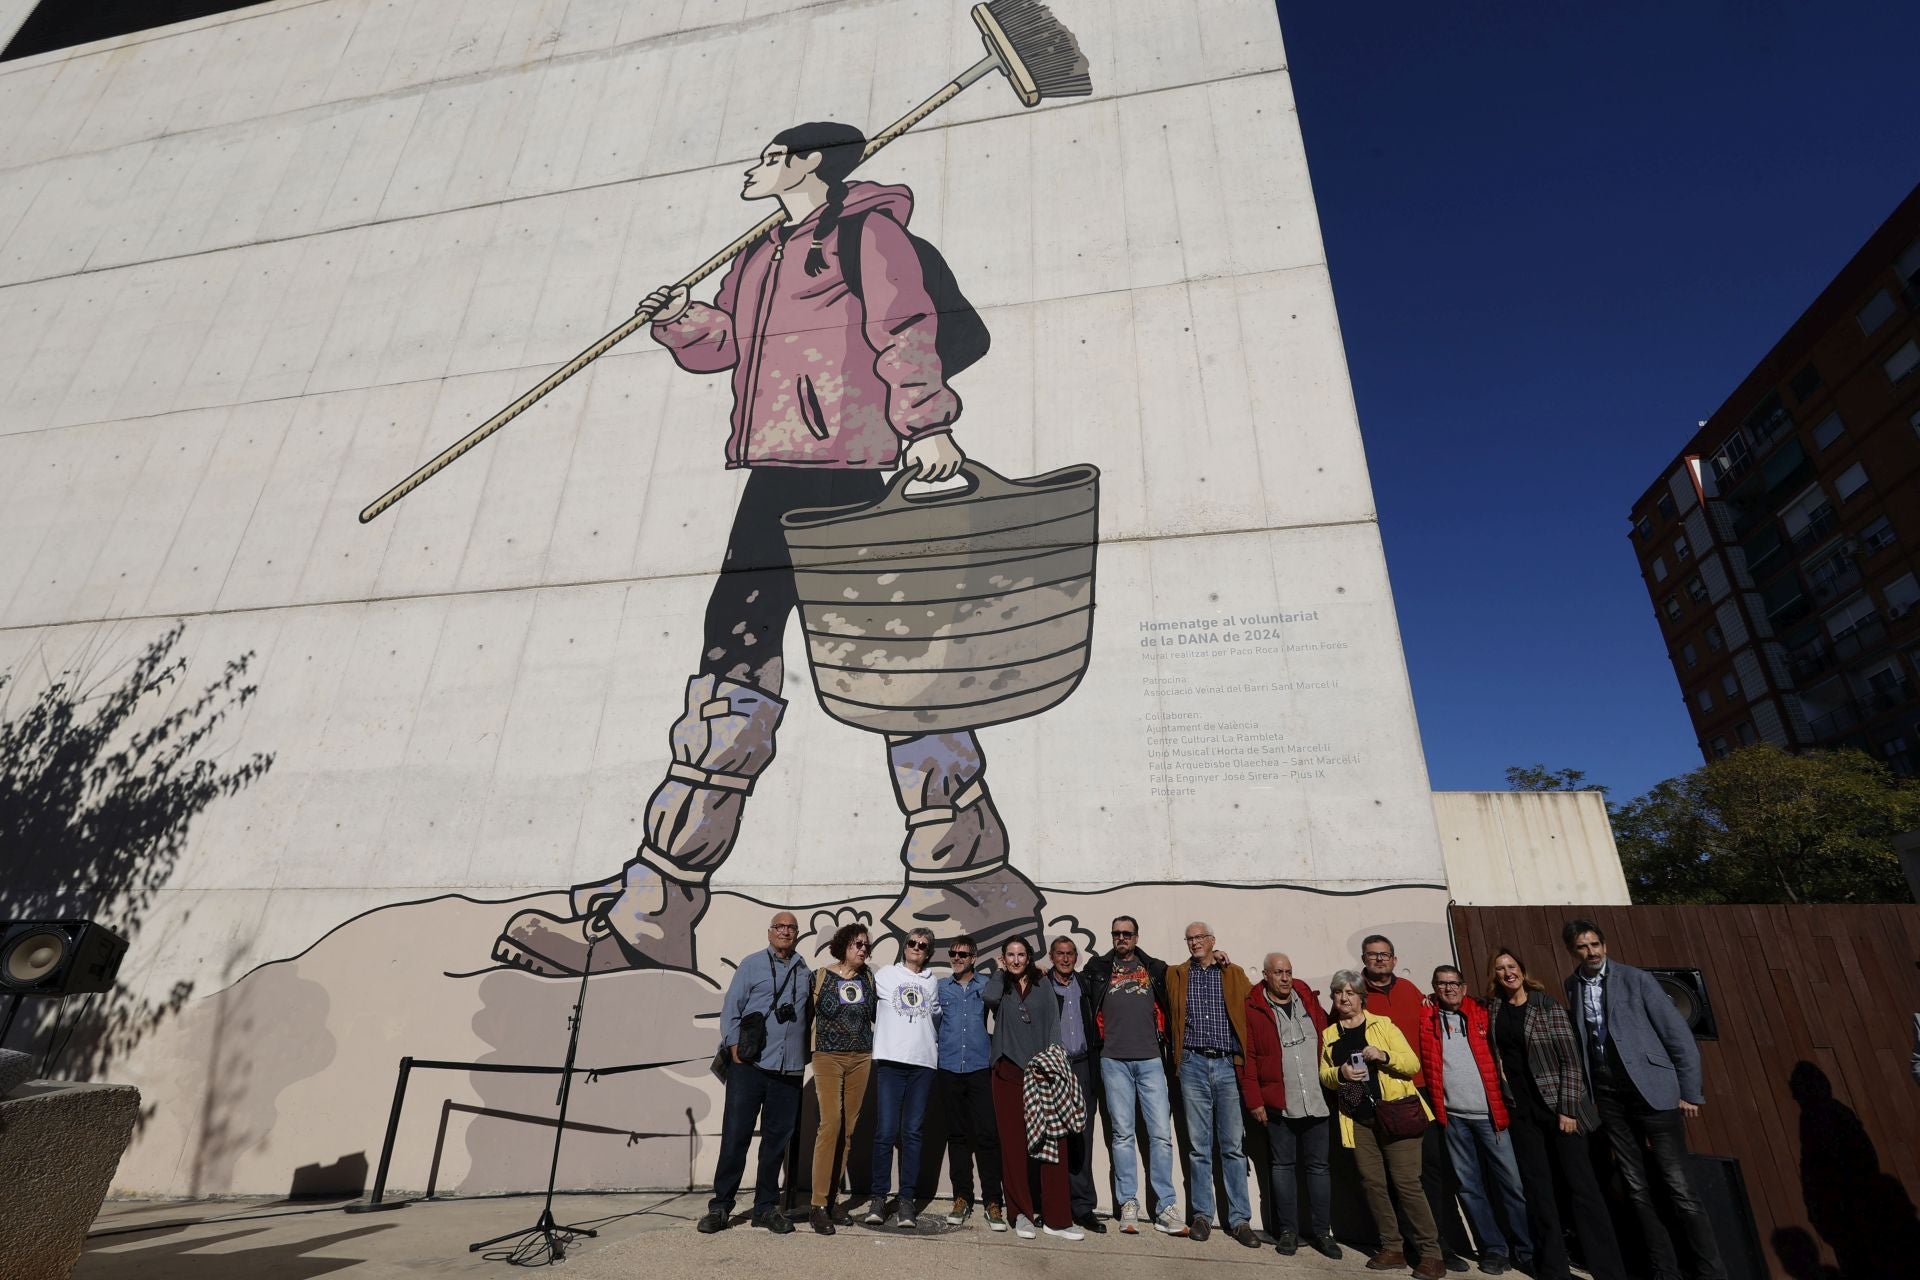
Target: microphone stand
546,1241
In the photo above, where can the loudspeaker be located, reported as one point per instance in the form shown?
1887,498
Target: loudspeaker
58,957
1723,1192
1687,988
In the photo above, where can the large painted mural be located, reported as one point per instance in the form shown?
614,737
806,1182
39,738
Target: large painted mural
418,588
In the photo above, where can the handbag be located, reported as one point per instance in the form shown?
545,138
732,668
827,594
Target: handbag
1402,1117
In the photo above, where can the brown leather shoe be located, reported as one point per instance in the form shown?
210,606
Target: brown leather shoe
1430,1268
1388,1259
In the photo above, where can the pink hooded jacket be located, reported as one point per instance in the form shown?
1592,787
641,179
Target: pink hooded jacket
818,379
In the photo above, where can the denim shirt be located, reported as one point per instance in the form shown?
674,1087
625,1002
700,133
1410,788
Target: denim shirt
752,991
961,1022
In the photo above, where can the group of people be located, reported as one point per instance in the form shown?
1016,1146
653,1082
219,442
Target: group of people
1491,1096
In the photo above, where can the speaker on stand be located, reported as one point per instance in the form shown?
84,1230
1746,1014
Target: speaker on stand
56,959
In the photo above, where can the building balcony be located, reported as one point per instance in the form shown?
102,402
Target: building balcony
1809,660
1836,578
1821,522
1865,636
1836,722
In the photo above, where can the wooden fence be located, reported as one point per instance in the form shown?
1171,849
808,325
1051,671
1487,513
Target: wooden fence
1834,987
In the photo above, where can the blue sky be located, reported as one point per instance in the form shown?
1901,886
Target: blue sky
1560,235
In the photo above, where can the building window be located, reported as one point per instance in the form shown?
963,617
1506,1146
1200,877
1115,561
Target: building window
1659,569
1732,461
1689,655
1878,310
1703,699
1850,616
1730,685
1902,593
1665,506
1850,481
1829,429
1877,536
1768,418
1681,550
1745,732
1696,589
1805,383
1643,527
1672,607
1715,641
1902,362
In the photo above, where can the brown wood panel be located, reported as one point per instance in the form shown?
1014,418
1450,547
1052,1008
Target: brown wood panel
1834,986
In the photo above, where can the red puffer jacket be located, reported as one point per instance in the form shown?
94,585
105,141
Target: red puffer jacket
1263,1076
1480,1039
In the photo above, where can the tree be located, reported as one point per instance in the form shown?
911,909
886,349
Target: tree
1760,825
1537,777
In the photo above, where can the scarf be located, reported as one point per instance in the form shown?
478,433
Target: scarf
1054,1105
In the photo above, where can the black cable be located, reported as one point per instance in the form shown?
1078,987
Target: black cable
59,1020
8,1024
81,1017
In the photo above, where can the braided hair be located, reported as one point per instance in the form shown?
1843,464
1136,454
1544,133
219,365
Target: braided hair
839,147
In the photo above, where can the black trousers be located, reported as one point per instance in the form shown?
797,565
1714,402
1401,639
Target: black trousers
1549,1158
772,1099
754,595
1650,1146
1080,1145
967,1097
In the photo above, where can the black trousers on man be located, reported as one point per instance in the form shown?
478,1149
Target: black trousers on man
967,1098
1086,1069
772,1100
1649,1148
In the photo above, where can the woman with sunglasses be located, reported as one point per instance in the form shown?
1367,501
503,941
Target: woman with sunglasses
843,1004
1026,1020
905,1053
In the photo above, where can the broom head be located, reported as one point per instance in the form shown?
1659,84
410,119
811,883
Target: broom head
1040,57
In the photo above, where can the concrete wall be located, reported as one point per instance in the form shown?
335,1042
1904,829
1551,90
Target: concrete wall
259,266
1529,848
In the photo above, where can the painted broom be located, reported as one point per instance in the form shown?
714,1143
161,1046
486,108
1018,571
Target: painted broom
1025,43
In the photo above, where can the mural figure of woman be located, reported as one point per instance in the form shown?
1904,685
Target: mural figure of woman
833,387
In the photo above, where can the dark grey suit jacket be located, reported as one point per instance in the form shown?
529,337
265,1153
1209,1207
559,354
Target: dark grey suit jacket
1659,1053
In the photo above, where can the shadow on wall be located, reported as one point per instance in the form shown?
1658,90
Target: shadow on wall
1862,1212
101,775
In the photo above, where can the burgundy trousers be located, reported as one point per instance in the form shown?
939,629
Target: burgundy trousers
1019,1174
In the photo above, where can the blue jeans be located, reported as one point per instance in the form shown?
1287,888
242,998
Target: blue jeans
1467,1137
1211,1091
901,1091
1141,1085
1300,1150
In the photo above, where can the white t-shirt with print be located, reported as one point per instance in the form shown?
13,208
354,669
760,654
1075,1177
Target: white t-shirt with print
903,1030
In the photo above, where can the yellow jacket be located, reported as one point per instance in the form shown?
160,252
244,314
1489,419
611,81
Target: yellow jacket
1396,1074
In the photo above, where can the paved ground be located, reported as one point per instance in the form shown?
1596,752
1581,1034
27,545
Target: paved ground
641,1235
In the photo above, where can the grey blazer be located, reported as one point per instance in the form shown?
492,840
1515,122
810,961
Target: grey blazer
1660,1056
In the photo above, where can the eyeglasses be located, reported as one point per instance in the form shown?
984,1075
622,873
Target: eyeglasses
914,944
1125,933
1197,937
1376,955
1438,985
783,928
960,955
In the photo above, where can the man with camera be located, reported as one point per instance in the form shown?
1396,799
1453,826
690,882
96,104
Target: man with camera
763,1047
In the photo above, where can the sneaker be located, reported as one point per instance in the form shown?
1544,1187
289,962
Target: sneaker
876,1213
906,1221
1244,1234
996,1217
776,1222
821,1221
1066,1233
1288,1243
711,1223
1023,1227
1168,1223
1130,1218
1326,1247
1089,1222
1198,1227
957,1216
1494,1264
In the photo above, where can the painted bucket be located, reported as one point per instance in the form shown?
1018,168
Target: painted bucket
949,610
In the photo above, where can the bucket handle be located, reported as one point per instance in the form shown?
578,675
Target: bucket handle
981,481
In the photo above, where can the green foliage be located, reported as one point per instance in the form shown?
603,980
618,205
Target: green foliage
1537,777
1761,825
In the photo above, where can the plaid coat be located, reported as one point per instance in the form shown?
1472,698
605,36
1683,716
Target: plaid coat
1051,1098
1554,1058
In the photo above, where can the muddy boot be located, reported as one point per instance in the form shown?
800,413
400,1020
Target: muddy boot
958,880
721,743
